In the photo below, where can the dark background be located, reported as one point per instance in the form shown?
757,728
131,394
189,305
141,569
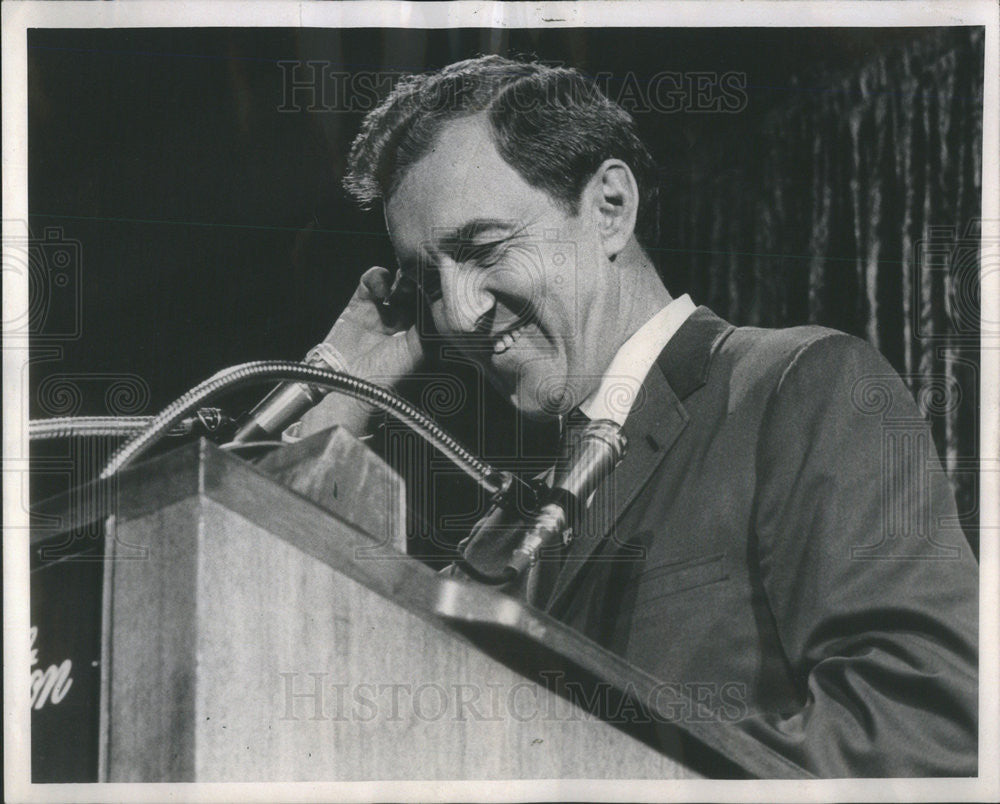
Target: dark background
208,227
205,226
212,225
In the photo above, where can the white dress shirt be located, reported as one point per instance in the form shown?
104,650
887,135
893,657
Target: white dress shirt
618,389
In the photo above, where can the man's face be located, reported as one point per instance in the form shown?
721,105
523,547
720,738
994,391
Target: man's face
519,285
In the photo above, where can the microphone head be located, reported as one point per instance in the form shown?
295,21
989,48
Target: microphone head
288,401
593,452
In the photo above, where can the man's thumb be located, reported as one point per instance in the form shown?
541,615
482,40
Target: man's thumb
376,283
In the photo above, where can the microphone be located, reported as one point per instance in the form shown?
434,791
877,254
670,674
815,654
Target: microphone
287,403
597,450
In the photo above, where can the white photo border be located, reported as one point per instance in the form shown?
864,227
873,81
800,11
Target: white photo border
18,17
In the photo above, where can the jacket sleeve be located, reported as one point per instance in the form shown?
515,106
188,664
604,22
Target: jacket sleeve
872,586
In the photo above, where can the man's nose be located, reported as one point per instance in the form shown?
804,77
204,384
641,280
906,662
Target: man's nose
466,295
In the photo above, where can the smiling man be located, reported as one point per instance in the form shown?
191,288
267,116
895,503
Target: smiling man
489,285
750,537
479,168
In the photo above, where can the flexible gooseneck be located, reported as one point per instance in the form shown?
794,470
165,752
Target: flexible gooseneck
205,420
498,483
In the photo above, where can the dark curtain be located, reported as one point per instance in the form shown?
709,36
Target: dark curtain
855,204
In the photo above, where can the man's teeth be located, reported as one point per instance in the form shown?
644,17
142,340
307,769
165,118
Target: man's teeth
505,341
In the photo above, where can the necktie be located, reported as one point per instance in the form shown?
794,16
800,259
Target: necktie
575,419
572,428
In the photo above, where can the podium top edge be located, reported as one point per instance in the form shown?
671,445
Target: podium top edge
174,476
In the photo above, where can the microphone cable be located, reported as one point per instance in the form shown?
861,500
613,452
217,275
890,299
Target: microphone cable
498,483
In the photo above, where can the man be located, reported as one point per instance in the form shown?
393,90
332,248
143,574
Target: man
742,540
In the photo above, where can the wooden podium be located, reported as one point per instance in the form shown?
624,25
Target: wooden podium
252,635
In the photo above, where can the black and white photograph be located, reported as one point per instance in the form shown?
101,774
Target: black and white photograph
501,401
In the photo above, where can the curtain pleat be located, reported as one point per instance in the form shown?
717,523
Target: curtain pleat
856,206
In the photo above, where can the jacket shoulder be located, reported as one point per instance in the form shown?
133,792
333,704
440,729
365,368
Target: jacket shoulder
763,359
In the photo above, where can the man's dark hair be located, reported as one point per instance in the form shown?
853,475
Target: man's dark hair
551,124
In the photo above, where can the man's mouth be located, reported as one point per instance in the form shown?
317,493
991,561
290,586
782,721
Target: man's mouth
506,340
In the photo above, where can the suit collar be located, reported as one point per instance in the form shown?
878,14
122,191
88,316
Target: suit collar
685,360
656,420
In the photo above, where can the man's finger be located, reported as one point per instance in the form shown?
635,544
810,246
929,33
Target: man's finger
375,284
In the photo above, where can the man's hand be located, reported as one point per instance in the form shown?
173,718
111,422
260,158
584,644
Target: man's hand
376,336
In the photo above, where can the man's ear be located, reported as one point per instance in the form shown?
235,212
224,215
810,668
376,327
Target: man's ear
612,196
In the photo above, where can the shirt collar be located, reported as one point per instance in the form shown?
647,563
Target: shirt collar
619,387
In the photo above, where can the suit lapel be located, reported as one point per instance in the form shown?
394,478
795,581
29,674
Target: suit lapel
654,423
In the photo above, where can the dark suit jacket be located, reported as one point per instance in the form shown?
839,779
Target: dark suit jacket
781,542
